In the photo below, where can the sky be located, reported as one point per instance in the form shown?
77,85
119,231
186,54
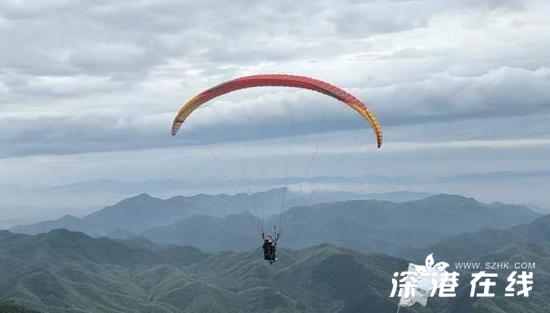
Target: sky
88,90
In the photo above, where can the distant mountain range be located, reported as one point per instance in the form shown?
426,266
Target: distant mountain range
363,225
19,202
382,226
81,198
224,222
64,271
142,212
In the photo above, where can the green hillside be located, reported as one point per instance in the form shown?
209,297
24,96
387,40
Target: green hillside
64,272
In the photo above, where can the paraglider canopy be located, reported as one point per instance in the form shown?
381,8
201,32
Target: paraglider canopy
280,80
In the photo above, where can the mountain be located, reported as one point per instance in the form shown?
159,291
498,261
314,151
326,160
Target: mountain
492,244
364,225
527,244
387,227
64,271
537,231
143,212
81,198
224,222
236,232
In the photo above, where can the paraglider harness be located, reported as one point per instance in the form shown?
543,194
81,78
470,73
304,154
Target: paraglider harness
270,246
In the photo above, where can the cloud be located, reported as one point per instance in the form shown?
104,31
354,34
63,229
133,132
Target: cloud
504,92
83,77
270,113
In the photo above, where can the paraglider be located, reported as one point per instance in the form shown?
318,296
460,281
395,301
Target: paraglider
270,246
279,80
276,80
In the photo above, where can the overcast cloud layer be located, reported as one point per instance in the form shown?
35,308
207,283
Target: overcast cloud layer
87,80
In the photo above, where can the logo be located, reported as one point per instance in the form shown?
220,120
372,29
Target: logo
421,282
